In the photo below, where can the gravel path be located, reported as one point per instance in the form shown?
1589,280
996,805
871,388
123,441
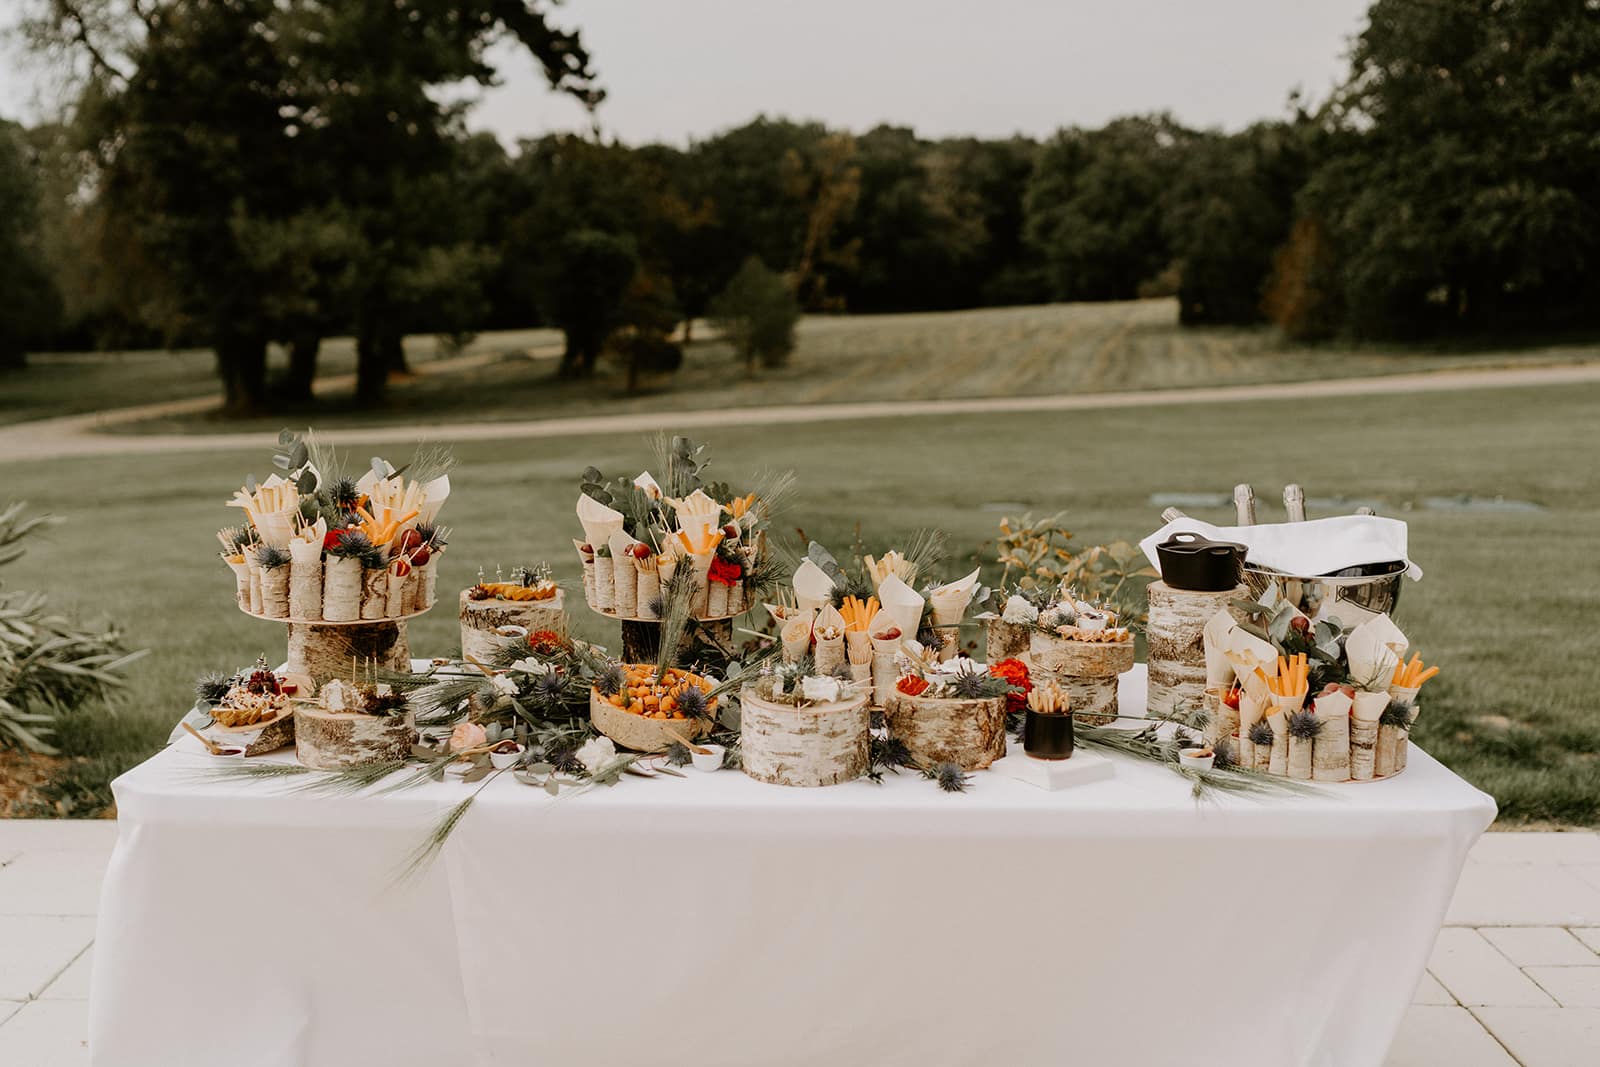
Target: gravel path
93,434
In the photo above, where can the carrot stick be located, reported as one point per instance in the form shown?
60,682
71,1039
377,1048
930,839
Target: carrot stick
1425,675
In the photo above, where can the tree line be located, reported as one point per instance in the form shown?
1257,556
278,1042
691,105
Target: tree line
241,172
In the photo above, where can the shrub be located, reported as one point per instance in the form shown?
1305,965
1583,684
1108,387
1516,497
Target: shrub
756,313
47,662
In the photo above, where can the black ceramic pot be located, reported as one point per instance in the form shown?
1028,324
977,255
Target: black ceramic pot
1199,564
1046,736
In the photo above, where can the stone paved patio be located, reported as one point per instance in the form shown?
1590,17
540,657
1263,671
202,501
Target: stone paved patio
1514,977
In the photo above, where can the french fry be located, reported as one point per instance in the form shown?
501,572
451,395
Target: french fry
1429,673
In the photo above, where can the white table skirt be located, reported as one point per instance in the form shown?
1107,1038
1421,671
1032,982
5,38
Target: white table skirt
718,922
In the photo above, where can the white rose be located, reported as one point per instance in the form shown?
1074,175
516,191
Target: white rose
820,690
503,684
596,753
531,666
1019,610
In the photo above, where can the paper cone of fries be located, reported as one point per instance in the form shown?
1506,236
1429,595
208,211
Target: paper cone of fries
624,575
891,563
241,579
812,586
698,515
1374,649
858,647
949,605
305,578
273,507
599,521
903,603
648,594
341,589
434,494
1330,755
828,632
796,636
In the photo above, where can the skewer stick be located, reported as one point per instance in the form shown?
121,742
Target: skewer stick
215,749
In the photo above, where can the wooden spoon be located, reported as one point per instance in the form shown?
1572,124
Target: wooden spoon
688,744
215,749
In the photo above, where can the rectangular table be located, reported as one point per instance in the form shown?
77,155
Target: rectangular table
719,922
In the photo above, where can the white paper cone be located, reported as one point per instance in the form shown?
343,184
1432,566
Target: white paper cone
1214,638
949,601
341,589
1373,650
812,587
241,581
796,638
903,603
599,521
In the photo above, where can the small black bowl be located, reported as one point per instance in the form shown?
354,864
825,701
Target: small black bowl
1046,735
1199,564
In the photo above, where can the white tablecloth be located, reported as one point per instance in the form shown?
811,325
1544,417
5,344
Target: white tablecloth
718,922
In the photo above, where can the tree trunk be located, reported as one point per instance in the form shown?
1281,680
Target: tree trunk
569,358
394,354
242,365
688,331
303,349
372,372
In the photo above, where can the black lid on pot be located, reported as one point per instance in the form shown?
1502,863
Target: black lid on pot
1199,564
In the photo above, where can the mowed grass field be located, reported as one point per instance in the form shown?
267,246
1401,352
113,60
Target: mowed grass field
1053,349
1508,605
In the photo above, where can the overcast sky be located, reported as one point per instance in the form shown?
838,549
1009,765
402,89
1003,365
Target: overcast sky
681,69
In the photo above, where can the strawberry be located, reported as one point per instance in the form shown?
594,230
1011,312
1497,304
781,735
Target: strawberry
641,551
421,556
1231,698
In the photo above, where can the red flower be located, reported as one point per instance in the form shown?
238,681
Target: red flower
912,686
331,539
726,573
1015,672
546,642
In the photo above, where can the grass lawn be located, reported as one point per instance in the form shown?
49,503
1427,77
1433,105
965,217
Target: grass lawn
1063,348
1508,605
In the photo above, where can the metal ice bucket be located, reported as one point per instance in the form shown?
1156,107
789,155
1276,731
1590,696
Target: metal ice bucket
1374,588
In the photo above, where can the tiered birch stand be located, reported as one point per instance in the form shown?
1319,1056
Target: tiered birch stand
641,638
327,650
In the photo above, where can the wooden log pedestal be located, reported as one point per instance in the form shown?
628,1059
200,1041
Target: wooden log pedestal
325,651
1176,656
971,733
1086,670
807,746
1008,640
332,740
481,619
641,639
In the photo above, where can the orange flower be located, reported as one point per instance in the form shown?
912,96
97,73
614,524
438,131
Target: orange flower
1015,672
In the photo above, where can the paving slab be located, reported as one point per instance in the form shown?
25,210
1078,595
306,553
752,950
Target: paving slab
73,983
1589,872
1429,991
1539,946
53,883
21,835
1589,935
47,1033
1476,973
1578,846
8,1008
1544,1037
1432,1036
1573,987
35,949
1523,894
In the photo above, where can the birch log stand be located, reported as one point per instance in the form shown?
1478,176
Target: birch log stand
330,741
1007,640
1176,654
1086,670
822,745
971,733
332,650
641,640
481,619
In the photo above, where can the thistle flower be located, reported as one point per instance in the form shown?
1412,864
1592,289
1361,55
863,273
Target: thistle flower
930,639
390,703
657,606
271,558
343,494
692,702
564,759
235,539
1223,752
550,688
968,685
950,776
1397,715
1305,725
890,752
678,755
212,686
356,545
1260,733
610,680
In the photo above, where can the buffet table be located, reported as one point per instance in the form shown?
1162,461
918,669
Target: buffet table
713,920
